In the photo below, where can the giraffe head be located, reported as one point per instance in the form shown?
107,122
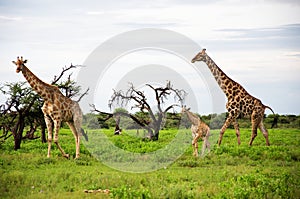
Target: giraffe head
20,63
200,56
184,109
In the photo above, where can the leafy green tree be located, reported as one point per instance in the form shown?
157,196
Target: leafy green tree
21,103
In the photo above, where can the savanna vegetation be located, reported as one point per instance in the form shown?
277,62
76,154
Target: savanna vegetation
228,171
174,120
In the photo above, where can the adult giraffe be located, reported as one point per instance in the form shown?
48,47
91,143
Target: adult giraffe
56,109
240,103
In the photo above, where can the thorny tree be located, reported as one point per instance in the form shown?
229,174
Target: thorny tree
139,101
17,111
23,107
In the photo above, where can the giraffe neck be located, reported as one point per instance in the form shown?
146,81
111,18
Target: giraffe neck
193,118
222,79
37,85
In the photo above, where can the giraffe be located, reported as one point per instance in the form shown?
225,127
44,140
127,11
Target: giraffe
239,104
56,108
199,129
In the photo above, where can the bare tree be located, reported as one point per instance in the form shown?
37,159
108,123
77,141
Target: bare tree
142,104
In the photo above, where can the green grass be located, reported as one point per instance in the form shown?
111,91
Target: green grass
229,171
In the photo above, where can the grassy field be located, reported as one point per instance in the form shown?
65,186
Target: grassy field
229,171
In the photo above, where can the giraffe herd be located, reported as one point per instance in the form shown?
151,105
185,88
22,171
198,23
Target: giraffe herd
58,108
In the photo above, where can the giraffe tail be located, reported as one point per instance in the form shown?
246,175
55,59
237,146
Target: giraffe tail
275,121
84,135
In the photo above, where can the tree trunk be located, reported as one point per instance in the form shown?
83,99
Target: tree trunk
18,131
17,142
157,126
156,134
43,133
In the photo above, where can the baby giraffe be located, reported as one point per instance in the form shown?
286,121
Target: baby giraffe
199,129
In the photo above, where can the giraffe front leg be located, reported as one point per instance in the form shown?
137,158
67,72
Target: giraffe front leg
195,145
223,129
196,149
56,130
49,125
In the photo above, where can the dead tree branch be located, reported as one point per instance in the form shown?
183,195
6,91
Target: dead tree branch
64,70
142,123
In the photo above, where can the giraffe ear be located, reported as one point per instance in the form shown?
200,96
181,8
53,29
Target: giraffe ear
25,61
14,62
188,109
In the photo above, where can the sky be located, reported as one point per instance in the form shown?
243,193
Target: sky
256,43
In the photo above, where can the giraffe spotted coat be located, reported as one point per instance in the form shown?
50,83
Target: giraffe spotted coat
56,108
239,102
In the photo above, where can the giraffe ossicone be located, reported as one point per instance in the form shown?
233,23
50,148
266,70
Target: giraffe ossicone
57,108
239,104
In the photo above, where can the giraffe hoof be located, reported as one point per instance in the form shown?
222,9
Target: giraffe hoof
67,156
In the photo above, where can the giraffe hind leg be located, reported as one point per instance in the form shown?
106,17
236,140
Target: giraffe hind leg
237,131
76,136
203,147
255,122
206,144
264,132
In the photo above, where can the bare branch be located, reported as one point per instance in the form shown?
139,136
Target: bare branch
169,107
64,69
137,120
82,95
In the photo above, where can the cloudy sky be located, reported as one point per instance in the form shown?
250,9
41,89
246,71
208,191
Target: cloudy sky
256,43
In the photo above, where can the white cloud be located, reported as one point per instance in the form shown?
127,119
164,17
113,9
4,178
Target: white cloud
248,34
7,18
95,13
